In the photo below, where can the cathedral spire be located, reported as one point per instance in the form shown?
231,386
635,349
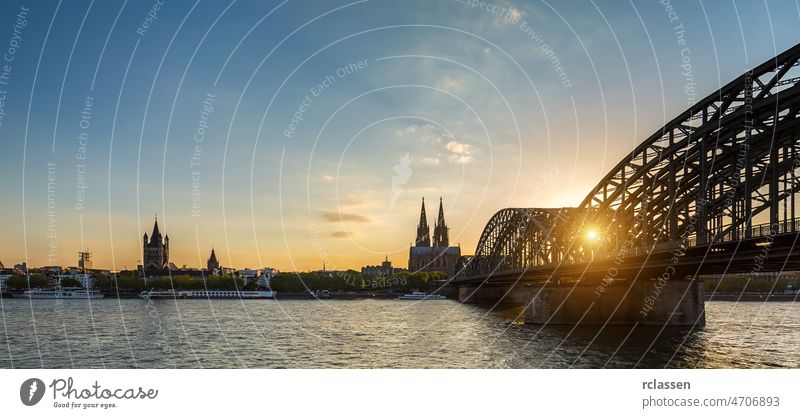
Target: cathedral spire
440,238
155,233
423,231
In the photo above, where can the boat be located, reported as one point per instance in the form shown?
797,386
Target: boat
421,296
207,294
321,294
65,293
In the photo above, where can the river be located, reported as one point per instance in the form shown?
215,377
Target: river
129,333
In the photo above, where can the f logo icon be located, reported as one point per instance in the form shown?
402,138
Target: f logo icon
31,391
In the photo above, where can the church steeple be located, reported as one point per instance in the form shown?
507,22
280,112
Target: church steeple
156,235
155,252
440,238
423,231
212,263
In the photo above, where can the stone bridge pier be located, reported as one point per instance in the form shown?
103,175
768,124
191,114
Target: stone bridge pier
646,302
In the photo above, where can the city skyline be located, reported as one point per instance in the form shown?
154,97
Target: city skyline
318,151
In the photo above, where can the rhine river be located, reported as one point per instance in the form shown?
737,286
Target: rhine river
130,333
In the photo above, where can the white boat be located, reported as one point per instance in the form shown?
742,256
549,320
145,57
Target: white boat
421,296
207,294
65,293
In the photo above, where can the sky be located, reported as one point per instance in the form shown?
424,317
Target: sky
290,134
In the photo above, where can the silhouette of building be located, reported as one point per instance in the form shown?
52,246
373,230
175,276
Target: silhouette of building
440,238
212,264
438,257
156,250
85,261
383,270
423,232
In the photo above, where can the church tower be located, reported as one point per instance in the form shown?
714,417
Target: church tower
156,250
440,238
212,263
423,232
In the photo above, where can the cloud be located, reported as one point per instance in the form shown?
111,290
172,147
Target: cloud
331,216
457,147
429,136
409,130
327,178
461,153
352,201
413,129
340,234
448,83
462,159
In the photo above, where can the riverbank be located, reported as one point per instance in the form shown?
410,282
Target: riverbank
278,295
749,297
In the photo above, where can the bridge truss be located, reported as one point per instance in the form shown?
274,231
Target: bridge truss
702,179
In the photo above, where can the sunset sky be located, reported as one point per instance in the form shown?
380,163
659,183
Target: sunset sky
322,124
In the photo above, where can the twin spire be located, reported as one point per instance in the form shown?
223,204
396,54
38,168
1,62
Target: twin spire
440,236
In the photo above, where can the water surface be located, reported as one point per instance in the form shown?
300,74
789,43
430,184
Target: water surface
131,333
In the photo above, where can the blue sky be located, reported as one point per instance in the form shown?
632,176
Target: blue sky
524,109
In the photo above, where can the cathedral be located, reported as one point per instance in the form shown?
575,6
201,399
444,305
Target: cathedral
438,255
156,250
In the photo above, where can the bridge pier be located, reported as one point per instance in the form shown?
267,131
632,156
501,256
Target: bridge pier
486,293
648,302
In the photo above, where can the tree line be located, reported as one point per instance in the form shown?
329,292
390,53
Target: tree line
739,284
350,280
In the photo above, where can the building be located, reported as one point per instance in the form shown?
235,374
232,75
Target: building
267,274
85,261
438,255
52,273
383,270
84,278
263,281
212,263
247,275
155,252
5,274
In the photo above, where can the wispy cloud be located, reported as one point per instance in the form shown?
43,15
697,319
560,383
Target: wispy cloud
448,83
340,234
331,216
413,129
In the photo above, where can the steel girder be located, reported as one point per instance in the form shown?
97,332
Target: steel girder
518,237
704,176
714,168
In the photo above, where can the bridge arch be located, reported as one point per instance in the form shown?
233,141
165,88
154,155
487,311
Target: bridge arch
729,161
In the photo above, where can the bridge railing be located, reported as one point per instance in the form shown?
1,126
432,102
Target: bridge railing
756,231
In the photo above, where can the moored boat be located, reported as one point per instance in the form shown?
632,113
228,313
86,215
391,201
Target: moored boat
65,293
421,296
207,294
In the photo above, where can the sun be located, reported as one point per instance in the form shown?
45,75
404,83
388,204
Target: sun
591,234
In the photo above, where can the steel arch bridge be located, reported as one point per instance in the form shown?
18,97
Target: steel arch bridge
700,181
